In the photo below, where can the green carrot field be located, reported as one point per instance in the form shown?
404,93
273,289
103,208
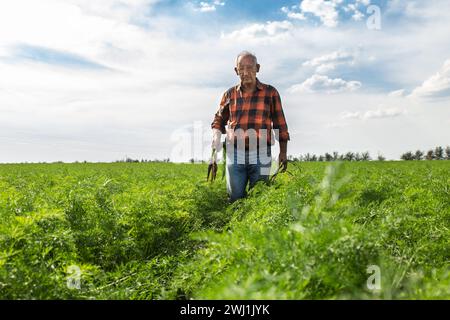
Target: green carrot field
159,231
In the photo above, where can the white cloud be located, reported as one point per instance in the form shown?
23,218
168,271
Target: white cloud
351,115
75,26
356,8
320,116
329,62
397,93
206,7
325,10
437,86
350,7
290,13
412,8
123,10
358,15
271,30
321,83
296,15
363,2
380,113
373,114
209,6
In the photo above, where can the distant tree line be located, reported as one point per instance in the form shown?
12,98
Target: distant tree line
335,156
437,153
127,159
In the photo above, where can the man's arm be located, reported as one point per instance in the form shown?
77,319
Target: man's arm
283,147
223,114
279,122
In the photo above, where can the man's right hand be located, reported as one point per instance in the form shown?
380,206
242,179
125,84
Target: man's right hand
216,143
282,158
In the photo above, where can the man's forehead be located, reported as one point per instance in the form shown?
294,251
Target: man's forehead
246,60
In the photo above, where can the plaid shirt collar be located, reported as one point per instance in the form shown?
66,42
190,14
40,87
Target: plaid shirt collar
259,85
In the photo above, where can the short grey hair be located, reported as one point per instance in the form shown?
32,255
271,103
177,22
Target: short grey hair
246,54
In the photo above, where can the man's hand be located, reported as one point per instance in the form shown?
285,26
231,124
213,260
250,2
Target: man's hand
283,161
283,155
216,144
212,167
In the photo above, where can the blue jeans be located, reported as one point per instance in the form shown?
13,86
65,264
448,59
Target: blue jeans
249,167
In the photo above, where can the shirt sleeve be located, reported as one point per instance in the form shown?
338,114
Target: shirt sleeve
278,119
223,114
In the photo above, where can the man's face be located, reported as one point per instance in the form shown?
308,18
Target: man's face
246,69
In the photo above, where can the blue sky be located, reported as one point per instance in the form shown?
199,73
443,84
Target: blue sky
97,80
248,10
231,13
254,10
49,56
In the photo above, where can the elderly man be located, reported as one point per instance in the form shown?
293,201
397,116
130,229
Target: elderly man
251,110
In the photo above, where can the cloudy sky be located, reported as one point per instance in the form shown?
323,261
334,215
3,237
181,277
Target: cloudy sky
99,80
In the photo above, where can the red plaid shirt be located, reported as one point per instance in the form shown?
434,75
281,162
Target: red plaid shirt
258,110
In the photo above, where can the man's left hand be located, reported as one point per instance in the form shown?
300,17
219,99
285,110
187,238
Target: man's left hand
283,161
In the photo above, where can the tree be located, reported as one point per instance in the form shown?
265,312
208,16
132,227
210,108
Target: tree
365,156
349,156
320,158
418,155
439,153
380,157
407,156
357,157
328,157
430,155
447,152
335,155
